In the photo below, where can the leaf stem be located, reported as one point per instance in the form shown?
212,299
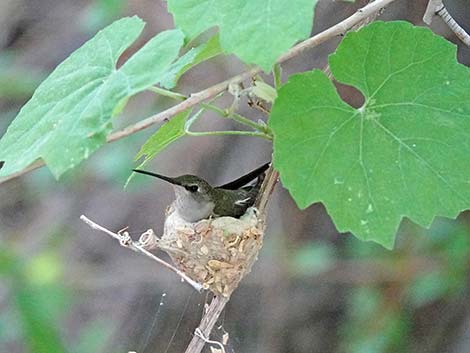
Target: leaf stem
227,113
277,74
196,116
229,132
168,93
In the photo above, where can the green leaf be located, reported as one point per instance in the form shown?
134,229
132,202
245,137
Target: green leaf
165,135
40,326
70,113
257,31
192,58
427,288
94,336
313,259
264,91
102,12
405,152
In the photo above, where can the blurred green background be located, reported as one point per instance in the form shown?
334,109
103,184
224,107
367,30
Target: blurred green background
66,288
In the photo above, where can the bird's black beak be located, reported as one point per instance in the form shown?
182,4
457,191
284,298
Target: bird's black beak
159,176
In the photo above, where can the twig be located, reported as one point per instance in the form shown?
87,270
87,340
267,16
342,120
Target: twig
436,7
454,26
199,97
431,9
30,168
198,333
127,242
208,321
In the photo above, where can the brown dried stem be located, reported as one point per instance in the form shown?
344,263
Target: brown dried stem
127,242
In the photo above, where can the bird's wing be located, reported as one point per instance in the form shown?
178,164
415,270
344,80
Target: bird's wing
245,179
244,202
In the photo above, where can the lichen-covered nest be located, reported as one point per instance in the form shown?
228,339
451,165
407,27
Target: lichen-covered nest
217,252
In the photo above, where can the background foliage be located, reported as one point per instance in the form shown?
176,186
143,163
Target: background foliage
312,286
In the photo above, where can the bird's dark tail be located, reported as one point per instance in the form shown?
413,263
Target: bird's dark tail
245,179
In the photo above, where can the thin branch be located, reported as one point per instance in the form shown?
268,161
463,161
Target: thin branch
208,321
193,100
199,97
436,7
267,188
30,168
454,26
431,9
127,242
339,29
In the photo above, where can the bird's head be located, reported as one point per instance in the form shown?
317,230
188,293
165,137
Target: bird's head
185,186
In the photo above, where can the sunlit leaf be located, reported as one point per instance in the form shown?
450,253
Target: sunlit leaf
70,113
192,58
165,135
257,31
404,153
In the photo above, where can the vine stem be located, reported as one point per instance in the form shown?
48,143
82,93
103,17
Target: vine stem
199,97
196,116
168,93
238,118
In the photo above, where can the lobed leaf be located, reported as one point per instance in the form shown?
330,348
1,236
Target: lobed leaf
404,153
257,31
70,113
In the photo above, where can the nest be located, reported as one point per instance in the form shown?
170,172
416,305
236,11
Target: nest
216,253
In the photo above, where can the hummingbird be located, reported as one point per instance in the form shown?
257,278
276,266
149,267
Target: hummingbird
196,199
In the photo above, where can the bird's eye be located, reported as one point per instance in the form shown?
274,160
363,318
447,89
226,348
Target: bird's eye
192,188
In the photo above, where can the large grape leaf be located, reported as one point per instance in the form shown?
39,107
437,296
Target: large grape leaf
70,113
405,152
257,31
